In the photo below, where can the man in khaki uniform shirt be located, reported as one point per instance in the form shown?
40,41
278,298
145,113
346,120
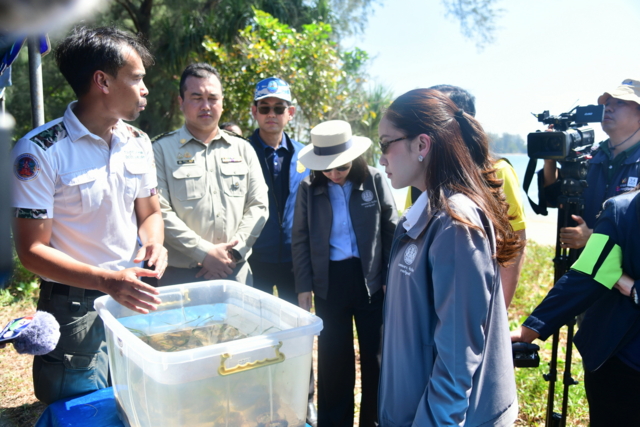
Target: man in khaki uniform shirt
212,191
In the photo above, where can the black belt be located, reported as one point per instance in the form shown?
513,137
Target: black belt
60,289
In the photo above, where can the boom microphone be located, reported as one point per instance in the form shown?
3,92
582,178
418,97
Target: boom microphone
36,335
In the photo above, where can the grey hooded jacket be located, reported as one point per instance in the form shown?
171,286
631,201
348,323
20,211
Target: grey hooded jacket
446,357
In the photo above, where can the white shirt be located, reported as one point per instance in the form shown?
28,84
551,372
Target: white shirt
63,172
413,213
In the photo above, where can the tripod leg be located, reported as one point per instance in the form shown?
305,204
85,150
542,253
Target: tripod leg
551,377
567,380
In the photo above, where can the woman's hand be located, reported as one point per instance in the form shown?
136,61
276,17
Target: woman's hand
304,300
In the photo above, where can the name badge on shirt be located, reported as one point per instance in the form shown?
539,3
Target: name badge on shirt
627,184
184,162
231,160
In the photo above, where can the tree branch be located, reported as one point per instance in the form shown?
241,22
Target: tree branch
129,7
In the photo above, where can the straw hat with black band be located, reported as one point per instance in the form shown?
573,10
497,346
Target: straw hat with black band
332,145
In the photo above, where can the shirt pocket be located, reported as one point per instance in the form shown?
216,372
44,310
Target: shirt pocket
135,171
234,178
188,183
83,189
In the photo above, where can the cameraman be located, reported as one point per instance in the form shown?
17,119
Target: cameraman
614,168
609,337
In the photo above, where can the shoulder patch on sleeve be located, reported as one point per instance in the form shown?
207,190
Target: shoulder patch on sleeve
162,135
26,167
135,132
228,132
50,136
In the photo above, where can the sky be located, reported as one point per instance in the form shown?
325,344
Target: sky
547,55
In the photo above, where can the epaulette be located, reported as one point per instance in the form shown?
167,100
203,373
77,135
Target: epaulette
50,136
235,134
162,135
135,132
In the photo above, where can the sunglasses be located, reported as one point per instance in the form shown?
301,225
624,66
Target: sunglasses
265,109
342,168
384,146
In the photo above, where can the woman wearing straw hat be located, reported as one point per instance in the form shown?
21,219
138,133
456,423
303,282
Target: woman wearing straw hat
343,227
446,356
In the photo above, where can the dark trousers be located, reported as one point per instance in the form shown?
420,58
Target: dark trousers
79,364
612,392
348,299
266,275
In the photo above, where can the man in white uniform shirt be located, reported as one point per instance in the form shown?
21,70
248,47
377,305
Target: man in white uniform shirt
84,189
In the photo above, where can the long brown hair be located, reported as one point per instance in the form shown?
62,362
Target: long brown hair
459,161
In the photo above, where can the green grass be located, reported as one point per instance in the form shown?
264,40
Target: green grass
23,285
535,281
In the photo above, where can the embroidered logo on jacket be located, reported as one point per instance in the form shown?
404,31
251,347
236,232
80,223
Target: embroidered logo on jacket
48,137
368,199
627,184
410,254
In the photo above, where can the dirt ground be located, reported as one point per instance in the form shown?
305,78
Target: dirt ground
20,408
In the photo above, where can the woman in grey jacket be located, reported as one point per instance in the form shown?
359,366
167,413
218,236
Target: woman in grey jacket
343,226
446,356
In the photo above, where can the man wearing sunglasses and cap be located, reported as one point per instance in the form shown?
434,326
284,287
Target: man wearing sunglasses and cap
271,260
615,166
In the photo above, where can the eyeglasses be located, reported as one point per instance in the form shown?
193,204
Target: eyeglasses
384,146
265,109
342,168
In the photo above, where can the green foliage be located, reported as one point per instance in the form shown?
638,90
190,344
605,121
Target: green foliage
506,143
57,93
325,82
375,102
23,285
477,18
175,30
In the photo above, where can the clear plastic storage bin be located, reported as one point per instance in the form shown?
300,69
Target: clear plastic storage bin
260,379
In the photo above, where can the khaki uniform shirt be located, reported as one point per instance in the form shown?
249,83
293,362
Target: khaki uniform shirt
209,194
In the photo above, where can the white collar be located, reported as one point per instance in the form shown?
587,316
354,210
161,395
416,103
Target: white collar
413,213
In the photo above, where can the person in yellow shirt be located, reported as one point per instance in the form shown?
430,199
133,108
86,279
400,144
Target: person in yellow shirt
511,188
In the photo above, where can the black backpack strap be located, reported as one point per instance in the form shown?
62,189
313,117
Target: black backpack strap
540,209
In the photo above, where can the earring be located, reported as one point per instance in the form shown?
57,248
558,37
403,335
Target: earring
420,158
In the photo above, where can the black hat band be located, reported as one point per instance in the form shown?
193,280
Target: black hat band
334,149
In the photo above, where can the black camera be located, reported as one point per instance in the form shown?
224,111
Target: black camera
525,355
569,138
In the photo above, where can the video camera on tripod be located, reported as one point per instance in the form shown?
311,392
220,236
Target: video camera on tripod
568,138
570,143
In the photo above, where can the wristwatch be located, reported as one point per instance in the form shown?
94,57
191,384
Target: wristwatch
237,257
634,292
